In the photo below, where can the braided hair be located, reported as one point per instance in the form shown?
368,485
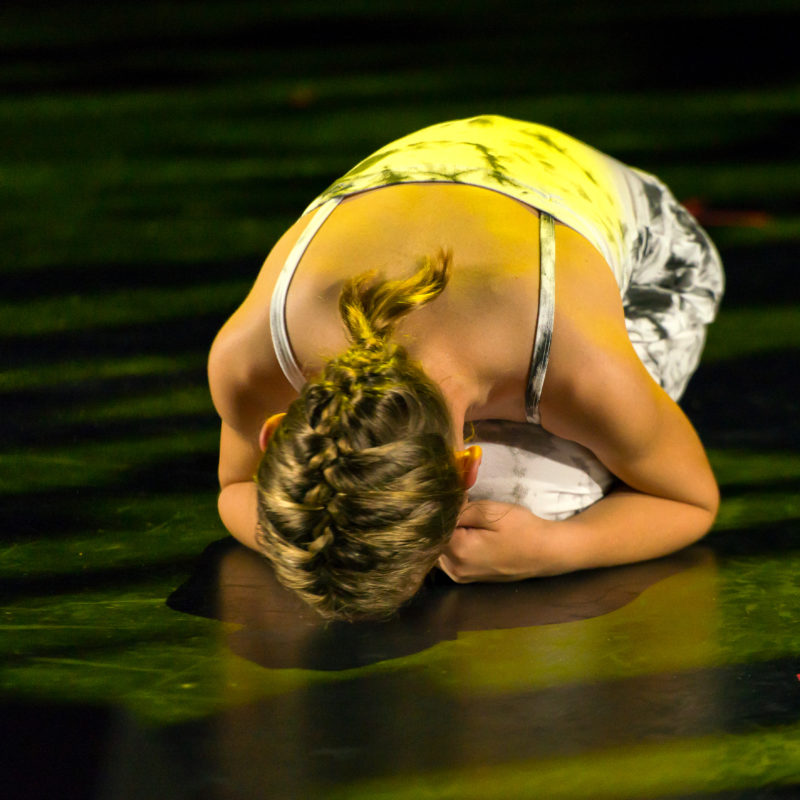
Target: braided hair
358,489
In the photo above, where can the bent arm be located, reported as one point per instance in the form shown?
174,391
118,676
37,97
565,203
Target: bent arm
247,387
668,501
601,395
625,527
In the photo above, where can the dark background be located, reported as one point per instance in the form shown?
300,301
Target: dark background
150,155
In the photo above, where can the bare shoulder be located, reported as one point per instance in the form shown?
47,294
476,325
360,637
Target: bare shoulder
596,391
245,378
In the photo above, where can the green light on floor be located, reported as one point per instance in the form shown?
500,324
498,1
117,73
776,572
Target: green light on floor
651,770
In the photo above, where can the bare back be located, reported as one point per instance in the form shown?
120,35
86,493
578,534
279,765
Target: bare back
482,325
475,341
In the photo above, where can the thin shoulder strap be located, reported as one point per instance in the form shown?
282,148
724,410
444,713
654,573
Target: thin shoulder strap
277,308
544,321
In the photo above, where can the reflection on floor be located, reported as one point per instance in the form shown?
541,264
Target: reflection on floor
151,154
552,688
628,682
277,631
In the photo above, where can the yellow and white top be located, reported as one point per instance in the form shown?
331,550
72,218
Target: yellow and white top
542,167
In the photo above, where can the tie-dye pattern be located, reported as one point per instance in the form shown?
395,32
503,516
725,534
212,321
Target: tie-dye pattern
533,163
669,274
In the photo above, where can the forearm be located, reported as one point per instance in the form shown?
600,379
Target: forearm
238,510
625,527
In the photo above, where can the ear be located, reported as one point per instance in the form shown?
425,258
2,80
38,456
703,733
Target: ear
468,462
268,428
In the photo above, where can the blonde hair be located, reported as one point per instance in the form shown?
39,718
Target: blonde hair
358,490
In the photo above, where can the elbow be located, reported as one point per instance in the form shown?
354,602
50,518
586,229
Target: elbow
713,500
238,509
710,508
714,508
224,506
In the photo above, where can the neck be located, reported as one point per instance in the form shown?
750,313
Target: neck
462,392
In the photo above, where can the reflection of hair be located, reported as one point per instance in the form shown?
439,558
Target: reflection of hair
358,489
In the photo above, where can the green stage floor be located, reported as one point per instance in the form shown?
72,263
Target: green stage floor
150,157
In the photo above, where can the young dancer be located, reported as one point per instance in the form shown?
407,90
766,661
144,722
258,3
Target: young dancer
485,277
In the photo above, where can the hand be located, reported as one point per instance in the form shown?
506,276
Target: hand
496,542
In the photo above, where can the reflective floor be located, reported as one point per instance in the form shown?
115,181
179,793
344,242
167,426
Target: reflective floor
148,161
673,678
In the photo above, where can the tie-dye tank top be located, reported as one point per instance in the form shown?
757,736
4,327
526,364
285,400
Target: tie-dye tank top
549,170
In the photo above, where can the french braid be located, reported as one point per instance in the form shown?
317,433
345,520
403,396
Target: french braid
358,489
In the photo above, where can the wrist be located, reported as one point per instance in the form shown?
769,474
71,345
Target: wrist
558,551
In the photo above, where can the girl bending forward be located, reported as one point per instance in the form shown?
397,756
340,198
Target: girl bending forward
486,276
